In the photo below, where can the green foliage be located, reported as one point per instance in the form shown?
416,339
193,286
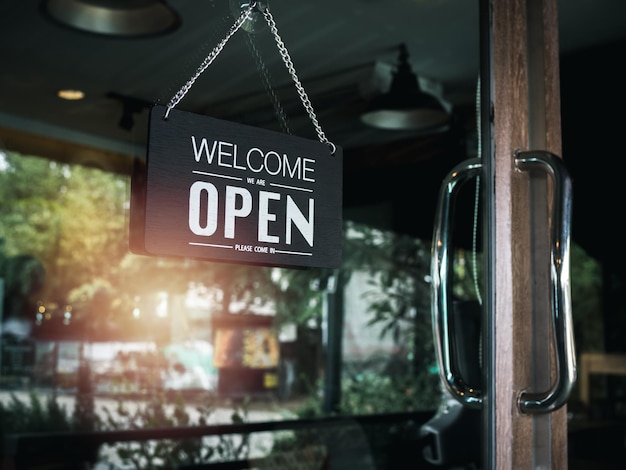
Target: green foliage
398,299
467,275
298,295
29,190
170,453
68,217
23,279
70,222
73,221
586,287
372,393
36,414
43,414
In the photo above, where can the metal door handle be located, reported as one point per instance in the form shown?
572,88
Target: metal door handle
563,331
471,396
442,300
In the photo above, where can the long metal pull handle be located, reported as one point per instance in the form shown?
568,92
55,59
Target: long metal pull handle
563,331
442,299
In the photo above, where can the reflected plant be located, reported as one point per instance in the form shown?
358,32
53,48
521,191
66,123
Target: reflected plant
36,414
171,453
399,303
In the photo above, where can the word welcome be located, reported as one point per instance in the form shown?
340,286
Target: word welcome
227,154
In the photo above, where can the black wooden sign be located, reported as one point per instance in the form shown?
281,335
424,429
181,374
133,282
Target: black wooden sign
229,192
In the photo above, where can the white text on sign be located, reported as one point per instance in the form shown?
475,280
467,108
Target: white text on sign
226,154
238,204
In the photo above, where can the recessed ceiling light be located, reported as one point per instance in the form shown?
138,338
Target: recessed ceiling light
71,95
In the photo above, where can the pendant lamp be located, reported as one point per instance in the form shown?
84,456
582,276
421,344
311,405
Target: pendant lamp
114,17
405,106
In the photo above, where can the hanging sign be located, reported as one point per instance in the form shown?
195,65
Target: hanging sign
228,192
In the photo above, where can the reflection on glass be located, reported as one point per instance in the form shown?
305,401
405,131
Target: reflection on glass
131,342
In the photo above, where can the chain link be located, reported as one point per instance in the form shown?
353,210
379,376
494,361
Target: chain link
294,76
180,94
282,49
265,75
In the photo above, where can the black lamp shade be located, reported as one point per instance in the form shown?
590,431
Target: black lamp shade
405,106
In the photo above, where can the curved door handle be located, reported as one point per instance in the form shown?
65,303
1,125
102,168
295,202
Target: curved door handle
442,298
557,395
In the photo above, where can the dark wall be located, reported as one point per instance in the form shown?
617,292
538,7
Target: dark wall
593,101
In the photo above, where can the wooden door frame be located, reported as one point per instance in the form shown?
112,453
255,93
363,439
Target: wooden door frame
523,109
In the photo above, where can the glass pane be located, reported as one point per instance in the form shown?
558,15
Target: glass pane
96,338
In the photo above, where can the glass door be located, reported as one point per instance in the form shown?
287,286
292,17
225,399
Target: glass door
168,362
528,359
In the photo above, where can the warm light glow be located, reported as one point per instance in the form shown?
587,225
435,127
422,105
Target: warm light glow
71,95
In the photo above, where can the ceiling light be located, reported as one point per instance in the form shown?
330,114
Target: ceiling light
114,17
71,95
405,106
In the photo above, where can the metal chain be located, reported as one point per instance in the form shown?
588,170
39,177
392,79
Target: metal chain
294,76
476,201
265,76
286,59
180,94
